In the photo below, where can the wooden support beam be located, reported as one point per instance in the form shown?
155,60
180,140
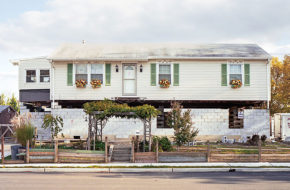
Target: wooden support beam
157,151
27,151
2,149
208,152
260,150
106,149
133,150
55,151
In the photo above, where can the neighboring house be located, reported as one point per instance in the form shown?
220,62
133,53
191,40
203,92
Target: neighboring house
199,77
6,114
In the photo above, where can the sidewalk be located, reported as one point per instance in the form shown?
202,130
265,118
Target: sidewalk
148,167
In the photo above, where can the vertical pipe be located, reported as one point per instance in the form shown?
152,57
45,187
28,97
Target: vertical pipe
106,149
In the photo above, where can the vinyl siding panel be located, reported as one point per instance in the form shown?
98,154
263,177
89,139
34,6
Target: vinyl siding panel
198,80
32,64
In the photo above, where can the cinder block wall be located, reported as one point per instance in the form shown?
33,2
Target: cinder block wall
212,124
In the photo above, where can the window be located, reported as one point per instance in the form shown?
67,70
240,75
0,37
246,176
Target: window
30,75
236,72
162,119
236,118
81,72
165,72
97,72
44,76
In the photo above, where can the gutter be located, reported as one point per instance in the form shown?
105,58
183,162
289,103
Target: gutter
153,58
268,82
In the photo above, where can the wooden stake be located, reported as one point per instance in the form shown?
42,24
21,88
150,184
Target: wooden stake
2,149
157,151
208,153
133,150
27,151
260,151
55,151
106,149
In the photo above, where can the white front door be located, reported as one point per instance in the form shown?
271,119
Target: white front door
129,80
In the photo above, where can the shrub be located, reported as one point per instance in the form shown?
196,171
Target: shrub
254,140
164,144
263,138
24,133
99,145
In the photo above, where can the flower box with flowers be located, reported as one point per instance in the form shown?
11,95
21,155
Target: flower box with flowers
164,83
236,84
96,83
81,83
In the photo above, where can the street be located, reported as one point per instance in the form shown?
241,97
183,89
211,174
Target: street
140,181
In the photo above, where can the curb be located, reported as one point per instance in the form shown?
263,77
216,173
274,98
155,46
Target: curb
138,170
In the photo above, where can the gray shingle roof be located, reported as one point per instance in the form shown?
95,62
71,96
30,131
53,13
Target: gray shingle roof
2,108
158,51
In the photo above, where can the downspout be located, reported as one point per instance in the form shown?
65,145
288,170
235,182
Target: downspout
268,82
52,85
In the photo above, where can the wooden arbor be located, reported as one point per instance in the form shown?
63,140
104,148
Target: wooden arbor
101,111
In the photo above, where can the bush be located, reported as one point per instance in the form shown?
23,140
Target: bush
24,133
164,144
99,146
254,140
263,138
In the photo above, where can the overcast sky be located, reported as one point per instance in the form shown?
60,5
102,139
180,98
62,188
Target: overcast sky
31,28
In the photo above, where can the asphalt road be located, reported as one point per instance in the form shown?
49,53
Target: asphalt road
146,181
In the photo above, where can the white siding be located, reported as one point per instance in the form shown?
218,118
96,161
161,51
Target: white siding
32,64
199,80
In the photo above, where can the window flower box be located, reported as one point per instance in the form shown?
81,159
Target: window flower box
236,84
81,83
164,83
96,83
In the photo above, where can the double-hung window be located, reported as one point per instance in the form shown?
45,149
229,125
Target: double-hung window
165,72
30,75
235,72
97,72
81,72
44,76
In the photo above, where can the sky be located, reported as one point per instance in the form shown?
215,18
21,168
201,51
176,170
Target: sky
33,28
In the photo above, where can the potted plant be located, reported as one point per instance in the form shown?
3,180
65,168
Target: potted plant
96,83
236,83
81,83
164,83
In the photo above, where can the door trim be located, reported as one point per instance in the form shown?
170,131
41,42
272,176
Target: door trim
123,67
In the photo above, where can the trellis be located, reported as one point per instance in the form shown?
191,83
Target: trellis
100,113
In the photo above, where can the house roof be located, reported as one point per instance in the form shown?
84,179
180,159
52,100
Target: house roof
2,108
158,51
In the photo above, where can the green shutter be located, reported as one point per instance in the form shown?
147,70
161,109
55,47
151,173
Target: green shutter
108,74
224,75
153,74
70,74
247,74
176,74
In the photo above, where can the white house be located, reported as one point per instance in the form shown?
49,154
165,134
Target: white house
200,77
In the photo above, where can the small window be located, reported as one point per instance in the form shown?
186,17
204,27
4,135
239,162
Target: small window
236,118
44,76
97,72
162,119
235,72
165,72
81,72
30,75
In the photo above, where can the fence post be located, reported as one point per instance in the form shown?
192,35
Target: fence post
133,150
137,148
55,151
260,150
27,151
208,152
106,149
157,151
2,149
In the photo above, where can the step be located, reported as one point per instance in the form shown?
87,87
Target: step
122,152
121,159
